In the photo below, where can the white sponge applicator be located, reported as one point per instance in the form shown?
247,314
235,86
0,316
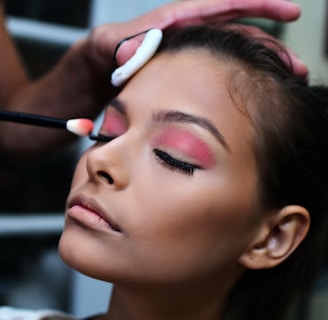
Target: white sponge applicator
144,53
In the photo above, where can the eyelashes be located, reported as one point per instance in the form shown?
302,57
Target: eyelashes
101,137
175,164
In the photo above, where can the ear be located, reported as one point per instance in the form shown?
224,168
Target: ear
277,237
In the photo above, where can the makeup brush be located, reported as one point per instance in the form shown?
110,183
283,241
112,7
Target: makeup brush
79,126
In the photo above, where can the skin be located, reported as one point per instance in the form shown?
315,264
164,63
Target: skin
172,251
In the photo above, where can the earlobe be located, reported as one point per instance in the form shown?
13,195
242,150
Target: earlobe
277,237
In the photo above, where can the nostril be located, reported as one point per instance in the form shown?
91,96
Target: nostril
106,176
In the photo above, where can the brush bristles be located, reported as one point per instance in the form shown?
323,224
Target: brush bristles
81,127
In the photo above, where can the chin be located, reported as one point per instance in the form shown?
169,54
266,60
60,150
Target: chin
71,251
81,258
66,249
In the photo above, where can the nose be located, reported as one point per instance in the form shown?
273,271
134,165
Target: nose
107,164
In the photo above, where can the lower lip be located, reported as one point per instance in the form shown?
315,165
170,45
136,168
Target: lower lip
88,218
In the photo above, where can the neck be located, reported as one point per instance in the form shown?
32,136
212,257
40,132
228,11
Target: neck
172,303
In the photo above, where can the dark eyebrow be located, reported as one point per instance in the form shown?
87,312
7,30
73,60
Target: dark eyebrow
117,105
177,116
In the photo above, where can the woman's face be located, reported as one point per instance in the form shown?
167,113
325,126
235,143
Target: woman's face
172,199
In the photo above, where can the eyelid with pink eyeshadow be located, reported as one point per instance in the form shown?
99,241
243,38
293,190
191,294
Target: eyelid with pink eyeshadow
169,138
186,143
114,123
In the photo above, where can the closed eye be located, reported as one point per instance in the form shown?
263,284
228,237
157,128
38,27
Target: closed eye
175,164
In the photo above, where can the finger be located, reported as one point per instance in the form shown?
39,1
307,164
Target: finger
189,12
127,47
143,54
287,55
104,39
280,10
126,50
299,67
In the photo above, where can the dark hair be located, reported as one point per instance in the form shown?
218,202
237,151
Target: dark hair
290,121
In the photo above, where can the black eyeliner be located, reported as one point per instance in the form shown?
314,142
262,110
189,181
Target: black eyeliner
101,137
175,164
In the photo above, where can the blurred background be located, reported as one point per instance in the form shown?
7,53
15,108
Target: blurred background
31,273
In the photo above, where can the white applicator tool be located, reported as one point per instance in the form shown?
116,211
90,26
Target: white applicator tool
144,53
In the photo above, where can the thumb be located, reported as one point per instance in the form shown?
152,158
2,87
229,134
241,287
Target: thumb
127,48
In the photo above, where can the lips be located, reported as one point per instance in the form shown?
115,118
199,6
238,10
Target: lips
84,205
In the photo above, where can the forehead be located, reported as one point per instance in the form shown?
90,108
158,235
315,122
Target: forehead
181,80
192,81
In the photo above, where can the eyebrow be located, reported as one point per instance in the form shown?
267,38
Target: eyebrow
117,105
177,116
181,117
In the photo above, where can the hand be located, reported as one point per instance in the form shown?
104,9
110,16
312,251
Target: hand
287,55
103,39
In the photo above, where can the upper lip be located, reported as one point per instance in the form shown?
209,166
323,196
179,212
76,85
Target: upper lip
94,206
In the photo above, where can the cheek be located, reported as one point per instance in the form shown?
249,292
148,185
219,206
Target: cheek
204,219
207,205
190,231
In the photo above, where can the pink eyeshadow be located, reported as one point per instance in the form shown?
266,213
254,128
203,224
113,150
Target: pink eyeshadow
113,124
186,143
